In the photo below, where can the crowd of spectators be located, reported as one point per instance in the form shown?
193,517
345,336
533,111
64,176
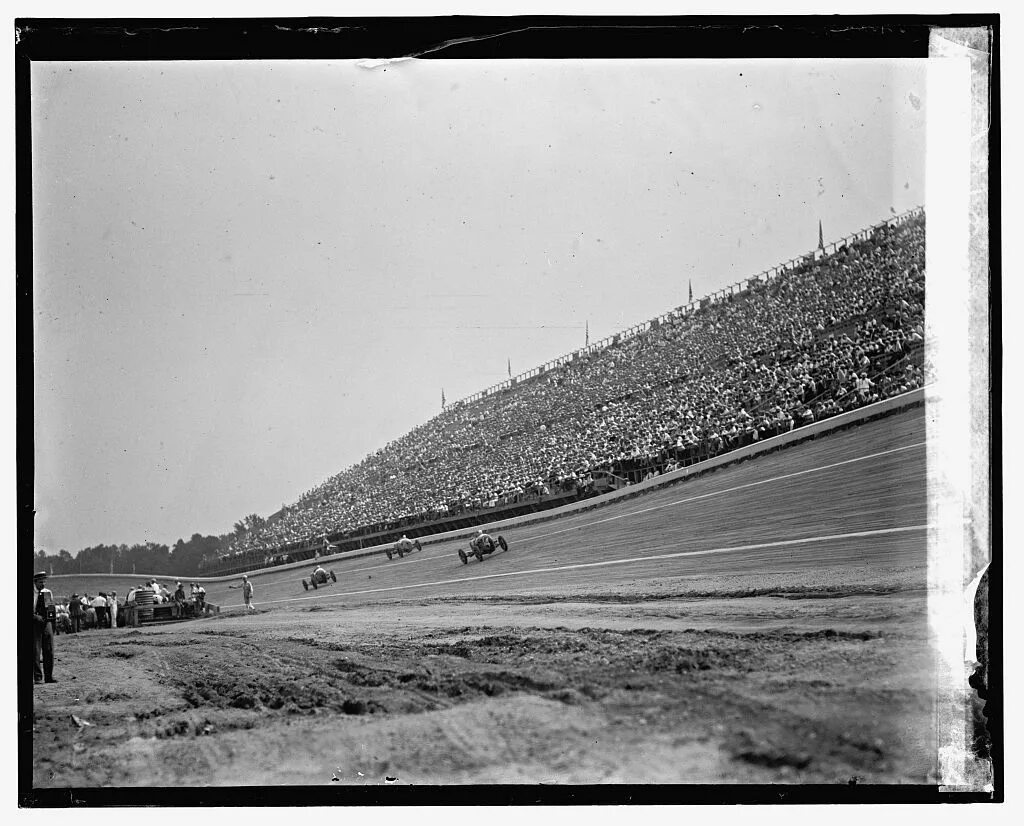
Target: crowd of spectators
835,332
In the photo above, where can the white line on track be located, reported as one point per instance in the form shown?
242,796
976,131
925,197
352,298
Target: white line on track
684,501
593,522
607,562
727,490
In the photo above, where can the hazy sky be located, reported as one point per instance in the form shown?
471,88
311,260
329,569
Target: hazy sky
248,276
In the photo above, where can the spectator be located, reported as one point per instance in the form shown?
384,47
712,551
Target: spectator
75,612
112,609
131,618
63,623
99,606
822,337
88,612
44,616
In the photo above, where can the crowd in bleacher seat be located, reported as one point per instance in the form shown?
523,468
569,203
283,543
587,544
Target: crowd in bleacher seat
835,332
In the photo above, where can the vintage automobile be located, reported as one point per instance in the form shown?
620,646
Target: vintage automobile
319,577
482,545
402,547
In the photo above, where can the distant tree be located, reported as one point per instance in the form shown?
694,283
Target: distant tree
186,556
250,523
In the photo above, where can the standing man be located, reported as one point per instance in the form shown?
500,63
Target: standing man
131,607
44,614
112,608
75,609
99,604
247,593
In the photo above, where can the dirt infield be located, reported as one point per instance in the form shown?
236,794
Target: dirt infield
676,689
765,624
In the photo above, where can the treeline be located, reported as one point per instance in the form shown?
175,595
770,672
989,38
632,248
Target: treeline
151,558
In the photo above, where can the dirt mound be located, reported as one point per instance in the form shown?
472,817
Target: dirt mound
449,702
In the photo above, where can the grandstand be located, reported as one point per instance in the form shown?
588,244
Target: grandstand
835,329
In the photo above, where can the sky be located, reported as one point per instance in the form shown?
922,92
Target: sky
248,276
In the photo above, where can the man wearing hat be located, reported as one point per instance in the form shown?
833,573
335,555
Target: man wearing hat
179,599
247,593
44,615
76,613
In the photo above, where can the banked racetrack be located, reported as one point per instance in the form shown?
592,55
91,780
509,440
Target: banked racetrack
853,498
763,623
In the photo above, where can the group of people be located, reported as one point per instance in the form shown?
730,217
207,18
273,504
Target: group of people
142,598
833,333
80,612
51,617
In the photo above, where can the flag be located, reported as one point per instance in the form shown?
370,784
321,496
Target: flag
821,237
691,291
442,397
588,334
510,367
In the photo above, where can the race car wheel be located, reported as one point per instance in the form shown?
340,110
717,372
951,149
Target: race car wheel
305,585
417,545
333,577
503,543
479,556
390,555
463,557
401,554
313,583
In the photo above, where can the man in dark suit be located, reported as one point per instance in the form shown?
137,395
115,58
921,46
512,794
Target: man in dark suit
44,615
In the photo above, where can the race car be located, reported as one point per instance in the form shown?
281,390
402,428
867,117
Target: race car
481,545
319,577
402,547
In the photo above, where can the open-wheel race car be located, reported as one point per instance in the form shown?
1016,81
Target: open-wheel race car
319,577
481,545
402,547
